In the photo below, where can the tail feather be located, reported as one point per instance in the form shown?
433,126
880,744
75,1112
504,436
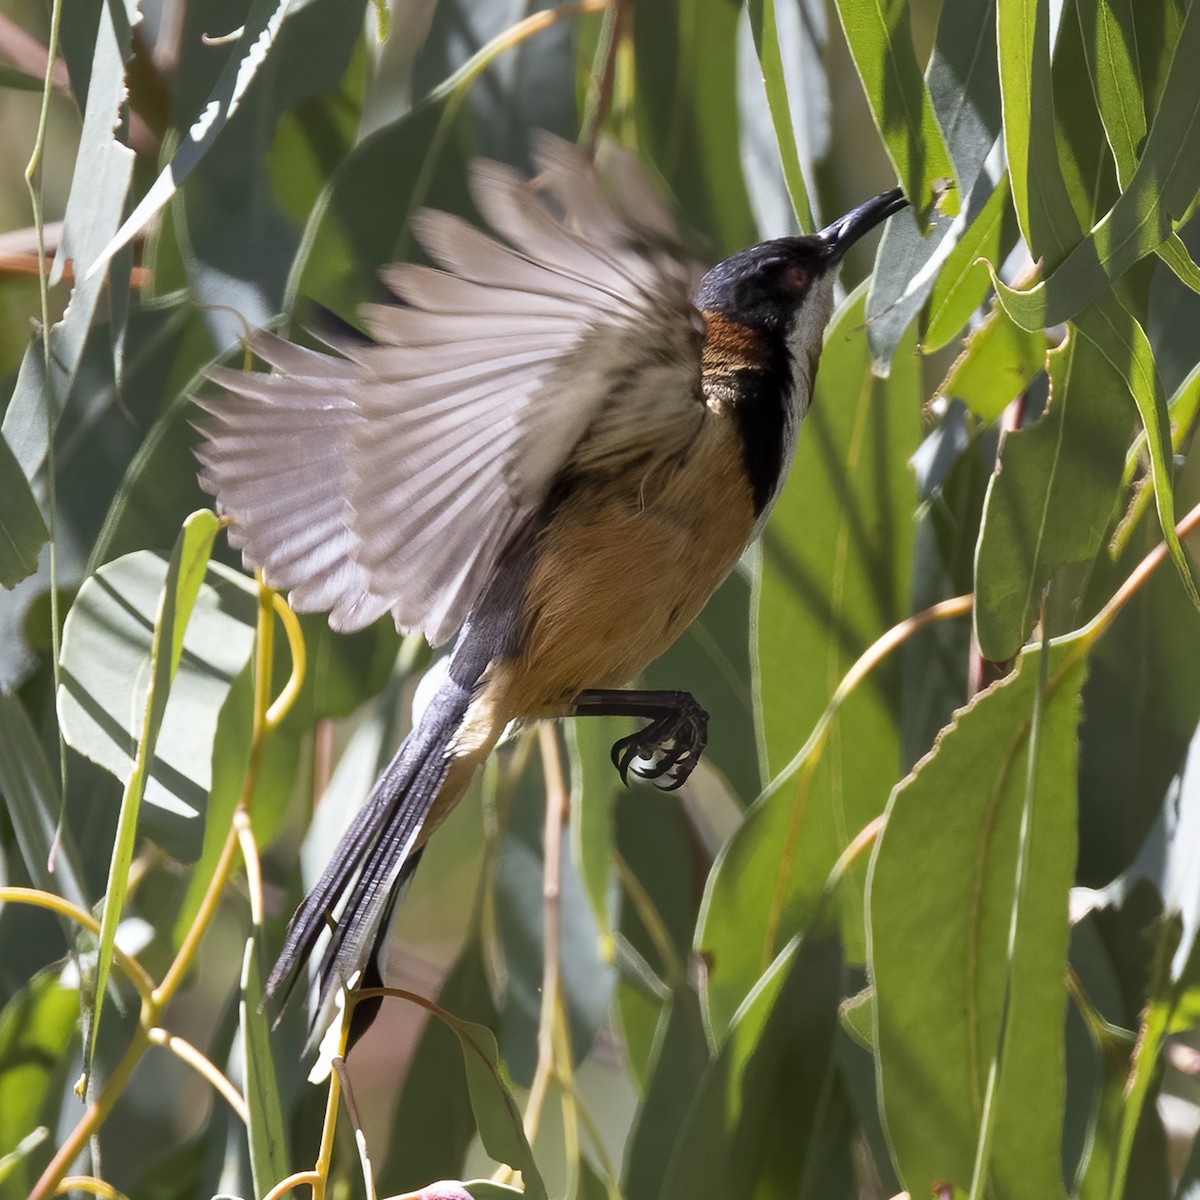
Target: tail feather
380,847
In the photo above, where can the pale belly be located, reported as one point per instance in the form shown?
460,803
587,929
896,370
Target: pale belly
622,572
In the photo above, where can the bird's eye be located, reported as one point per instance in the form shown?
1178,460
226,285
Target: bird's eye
795,279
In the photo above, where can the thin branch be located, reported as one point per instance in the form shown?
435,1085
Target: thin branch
556,810
601,94
90,1184
204,1066
135,972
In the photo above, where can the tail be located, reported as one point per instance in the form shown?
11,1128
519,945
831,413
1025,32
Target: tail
377,854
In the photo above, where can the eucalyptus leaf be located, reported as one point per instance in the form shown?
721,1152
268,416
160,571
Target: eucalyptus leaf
184,575
1054,496
33,802
964,89
879,35
23,533
954,963
107,663
102,173
37,1027
998,362
254,44
765,1108
267,1136
1161,188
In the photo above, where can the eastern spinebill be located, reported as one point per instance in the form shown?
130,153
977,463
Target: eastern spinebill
555,447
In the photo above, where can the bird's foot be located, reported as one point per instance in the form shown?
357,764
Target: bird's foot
667,750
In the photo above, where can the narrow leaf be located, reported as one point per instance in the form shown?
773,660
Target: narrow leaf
879,34
1161,188
940,952
766,42
259,31
963,280
267,1134
32,800
22,531
37,1027
835,575
496,1114
1053,498
1120,339
108,643
184,576
997,363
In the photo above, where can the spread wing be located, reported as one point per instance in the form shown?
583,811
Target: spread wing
391,478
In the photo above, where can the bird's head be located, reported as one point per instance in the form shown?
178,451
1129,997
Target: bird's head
777,296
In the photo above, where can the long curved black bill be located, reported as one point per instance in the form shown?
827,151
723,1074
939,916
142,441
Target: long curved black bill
839,236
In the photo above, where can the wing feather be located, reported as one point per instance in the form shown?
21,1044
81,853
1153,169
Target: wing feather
390,476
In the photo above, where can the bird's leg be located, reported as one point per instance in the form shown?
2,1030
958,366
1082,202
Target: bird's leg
667,749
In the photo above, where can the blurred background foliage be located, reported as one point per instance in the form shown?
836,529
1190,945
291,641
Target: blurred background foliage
880,942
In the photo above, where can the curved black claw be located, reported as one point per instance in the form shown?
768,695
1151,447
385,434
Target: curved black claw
667,749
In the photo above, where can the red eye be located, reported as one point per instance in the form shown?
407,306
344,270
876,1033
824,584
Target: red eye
795,279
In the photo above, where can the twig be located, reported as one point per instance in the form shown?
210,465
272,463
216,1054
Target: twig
598,108
204,1066
556,810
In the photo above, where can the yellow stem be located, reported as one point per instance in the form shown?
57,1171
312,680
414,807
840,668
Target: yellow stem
325,1153
204,915
186,1052
92,1118
89,1183
300,1179
249,849
295,636
556,808
130,966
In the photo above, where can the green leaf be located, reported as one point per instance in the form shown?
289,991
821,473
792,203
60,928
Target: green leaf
267,1135
23,533
766,1108
963,280
587,976
998,362
766,42
1114,40
835,575
1148,664
1040,195
100,182
1163,185
433,1125
679,1064
712,660
1054,496
358,223
185,573
879,34
687,112
594,790
237,245
1110,44
496,1114
255,42
1120,339
37,1028
32,801
109,659
965,92
945,984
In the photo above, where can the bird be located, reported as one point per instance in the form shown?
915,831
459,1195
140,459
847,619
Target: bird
549,450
